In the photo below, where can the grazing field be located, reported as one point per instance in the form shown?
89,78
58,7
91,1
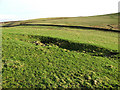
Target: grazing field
100,21
59,57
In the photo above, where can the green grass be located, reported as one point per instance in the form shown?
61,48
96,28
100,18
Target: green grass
99,21
63,58
93,21
102,39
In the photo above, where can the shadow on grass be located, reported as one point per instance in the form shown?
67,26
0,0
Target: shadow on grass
80,47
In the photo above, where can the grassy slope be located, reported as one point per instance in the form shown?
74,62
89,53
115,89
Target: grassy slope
100,21
100,38
48,65
65,57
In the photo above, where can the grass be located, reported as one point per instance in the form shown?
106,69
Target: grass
103,39
100,21
59,57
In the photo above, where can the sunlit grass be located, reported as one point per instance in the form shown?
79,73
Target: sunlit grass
52,57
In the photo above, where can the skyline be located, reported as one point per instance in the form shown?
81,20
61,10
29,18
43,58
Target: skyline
11,10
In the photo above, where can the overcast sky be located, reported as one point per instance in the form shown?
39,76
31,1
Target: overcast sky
30,9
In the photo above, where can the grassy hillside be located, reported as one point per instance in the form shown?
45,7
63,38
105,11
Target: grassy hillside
59,57
94,21
100,21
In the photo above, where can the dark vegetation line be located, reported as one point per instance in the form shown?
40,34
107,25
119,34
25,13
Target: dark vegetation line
78,27
72,46
9,24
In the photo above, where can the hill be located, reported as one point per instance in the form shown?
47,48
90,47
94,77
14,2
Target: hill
100,21
44,53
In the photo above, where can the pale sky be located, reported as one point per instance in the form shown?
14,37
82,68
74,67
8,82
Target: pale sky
32,9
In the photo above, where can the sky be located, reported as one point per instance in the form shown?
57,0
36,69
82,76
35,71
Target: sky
31,9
